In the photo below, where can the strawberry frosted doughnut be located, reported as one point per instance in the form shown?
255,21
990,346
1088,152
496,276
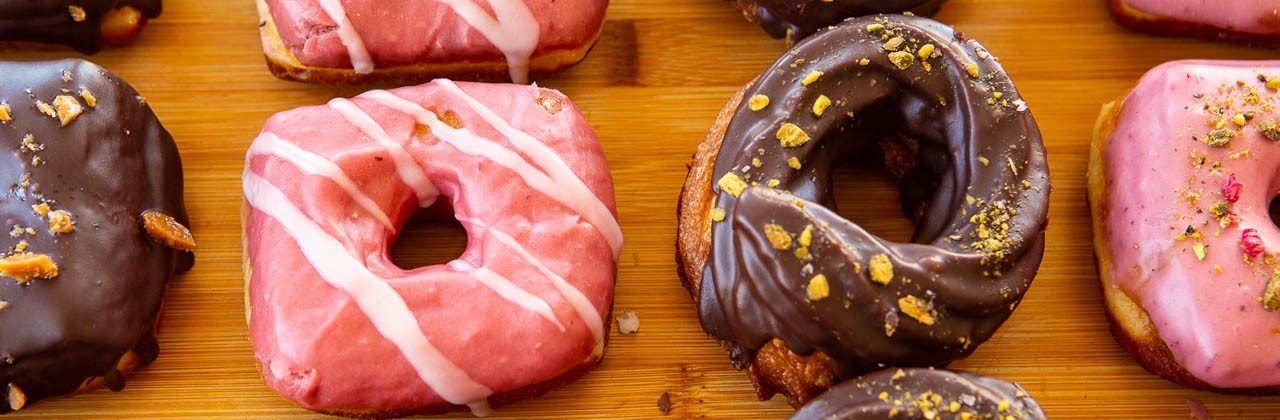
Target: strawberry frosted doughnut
337,327
1182,174
1255,22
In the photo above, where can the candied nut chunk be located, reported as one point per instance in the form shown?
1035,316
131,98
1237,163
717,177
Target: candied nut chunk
166,230
27,266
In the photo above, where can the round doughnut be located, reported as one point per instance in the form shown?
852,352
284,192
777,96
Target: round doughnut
338,328
916,393
87,25
1181,181
803,297
796,19
95,223
348,41
1251,22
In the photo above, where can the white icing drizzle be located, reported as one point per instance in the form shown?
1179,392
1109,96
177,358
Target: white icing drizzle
360,59
512,28
412,174
579,301
581,200
386,310
508,290
550,162
313,164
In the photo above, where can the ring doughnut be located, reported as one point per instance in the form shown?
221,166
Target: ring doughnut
521,311
86,26
916,393
796,19
1250,22
803,297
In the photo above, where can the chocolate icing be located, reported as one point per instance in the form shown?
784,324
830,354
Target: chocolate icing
796,19
106,168
751,292
922,392
50,21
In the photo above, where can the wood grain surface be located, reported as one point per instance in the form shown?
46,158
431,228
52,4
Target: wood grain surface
651,88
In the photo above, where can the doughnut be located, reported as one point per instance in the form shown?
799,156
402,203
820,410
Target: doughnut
917,393
84,25
802,297
338,328
96,229
1252,22
414,41
796,19
1181,181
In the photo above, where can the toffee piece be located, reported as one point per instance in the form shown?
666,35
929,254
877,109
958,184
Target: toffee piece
84,25
84,274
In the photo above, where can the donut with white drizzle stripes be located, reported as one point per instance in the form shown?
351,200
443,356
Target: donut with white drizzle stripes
348,41
338,328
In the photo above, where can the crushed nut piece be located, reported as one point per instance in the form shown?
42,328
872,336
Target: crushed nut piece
60,222
27,266
732,184
88,97
818,288
926,51
1271,297
806,237
17,398
792,136
41,209
821,104
166,230
794,163
778,236
1270,130
68,108
875,27
813,76
973,70
717,214
6,113
916,308
77,13
46,109
894,44
1220,137
1199,250
758,102
881,269
902,59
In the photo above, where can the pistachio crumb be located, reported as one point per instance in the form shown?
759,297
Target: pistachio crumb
881,269
717,214
973,69
732,184
758,102
875,27
926,51
812,77
1271,296
792,135
902,59
821,104
818,288
794,163
778,236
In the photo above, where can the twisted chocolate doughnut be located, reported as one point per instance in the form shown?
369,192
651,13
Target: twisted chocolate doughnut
796,19
776,270
85,25
916,393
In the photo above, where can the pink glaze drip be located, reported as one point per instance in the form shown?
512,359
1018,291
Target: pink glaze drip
336,325
1252,16
1212,321
405,32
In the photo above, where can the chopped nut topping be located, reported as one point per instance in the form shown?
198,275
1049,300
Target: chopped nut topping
1270,130
88,97
46,109
916,308
41,209
881,269
874,27
894,44
794,163
758,102
60,222
732,184
818,288
792,136
77,13
813,76
166,230
17,398
27,266
68,108
1220,137
926,51
717,214
778,236
1271,296
902,59
6,113
821,104
1199,249
1273,83
973,70
806,237
549,102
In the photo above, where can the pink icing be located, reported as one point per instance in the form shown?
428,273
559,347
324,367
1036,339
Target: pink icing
1212,321
319,347
402,32
1252,16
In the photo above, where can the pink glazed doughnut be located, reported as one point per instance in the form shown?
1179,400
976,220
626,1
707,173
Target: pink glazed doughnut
1253,22
338,328
1181,178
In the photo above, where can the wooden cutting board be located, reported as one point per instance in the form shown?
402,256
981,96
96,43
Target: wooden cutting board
651,88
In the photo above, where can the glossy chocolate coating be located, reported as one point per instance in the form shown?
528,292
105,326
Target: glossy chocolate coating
796,19
922,392
106,168
751,292
51,22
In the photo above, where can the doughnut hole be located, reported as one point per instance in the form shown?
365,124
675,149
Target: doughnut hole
431,237
867,190
1273,210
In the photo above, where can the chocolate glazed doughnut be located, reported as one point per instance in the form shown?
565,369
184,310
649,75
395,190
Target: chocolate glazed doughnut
801,296
796,19
917,393
85,25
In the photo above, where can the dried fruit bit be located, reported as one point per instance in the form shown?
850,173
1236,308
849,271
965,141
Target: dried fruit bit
758,102
628,322
813,76
68,108
717,214
792,136
818,288
88,97
916,308
60,222
166,230
732,184
778,236
6,113
794,163
27,266
902,59
1251,243
1220,137
17,398
881,269
77,13
1270,130
821,104
41,209
1231,190
1271,297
